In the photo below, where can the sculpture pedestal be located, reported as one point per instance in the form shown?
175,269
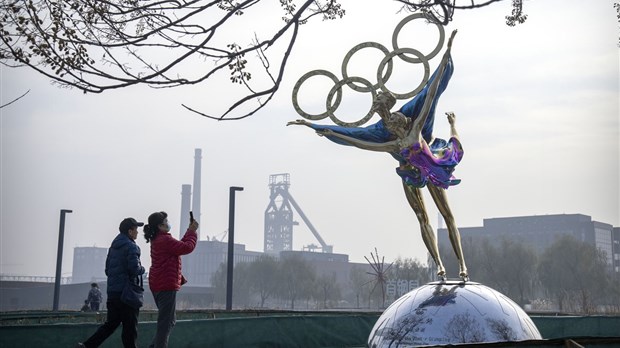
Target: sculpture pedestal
451,312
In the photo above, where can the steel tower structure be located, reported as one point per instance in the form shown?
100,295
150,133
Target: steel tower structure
279,218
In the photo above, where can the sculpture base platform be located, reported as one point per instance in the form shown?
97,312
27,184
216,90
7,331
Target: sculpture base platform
451,312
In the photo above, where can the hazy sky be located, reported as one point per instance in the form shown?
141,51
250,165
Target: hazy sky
537,110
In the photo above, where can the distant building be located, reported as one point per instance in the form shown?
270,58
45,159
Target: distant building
540,232
39,295
616,247
327,264
198,267
205,260
311,256
89,264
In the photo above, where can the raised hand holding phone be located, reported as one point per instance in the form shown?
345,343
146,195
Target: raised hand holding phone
193,224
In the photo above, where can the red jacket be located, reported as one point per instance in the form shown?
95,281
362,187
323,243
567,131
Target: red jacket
166,251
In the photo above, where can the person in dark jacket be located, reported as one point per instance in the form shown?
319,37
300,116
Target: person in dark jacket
165,277
94,297
121,266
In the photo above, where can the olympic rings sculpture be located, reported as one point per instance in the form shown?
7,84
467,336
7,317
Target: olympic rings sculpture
405,54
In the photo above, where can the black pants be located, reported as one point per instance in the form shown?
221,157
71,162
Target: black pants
94,306
166,317
118,313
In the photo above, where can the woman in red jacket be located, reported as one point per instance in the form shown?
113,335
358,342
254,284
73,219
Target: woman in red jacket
165,277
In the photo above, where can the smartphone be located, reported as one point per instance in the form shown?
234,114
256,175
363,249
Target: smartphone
191,216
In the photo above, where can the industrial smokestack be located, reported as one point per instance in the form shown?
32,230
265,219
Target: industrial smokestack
186,195
196,194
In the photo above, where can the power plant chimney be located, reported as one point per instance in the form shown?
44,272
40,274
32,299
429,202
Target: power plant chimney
186,195
196,195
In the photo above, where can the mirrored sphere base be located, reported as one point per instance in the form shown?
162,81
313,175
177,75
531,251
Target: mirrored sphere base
451,312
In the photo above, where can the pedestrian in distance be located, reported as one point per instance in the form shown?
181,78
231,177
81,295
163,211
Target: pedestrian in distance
94,297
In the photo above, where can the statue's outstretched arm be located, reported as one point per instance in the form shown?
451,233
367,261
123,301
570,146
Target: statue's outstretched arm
299,123
452,121
390,146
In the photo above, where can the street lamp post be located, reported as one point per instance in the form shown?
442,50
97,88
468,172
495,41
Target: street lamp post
231,245
61,237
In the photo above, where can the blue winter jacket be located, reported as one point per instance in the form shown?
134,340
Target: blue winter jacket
122,264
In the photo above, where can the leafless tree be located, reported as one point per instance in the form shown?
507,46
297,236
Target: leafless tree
575,273
98,45
442,10
379,274
617,7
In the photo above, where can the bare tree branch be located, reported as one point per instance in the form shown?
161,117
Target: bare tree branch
14,100
441,11
99,45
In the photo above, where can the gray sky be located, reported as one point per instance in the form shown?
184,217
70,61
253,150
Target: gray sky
537,110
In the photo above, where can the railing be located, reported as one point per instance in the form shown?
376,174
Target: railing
37,279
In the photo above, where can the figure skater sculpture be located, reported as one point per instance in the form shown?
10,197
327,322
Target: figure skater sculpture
423,159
